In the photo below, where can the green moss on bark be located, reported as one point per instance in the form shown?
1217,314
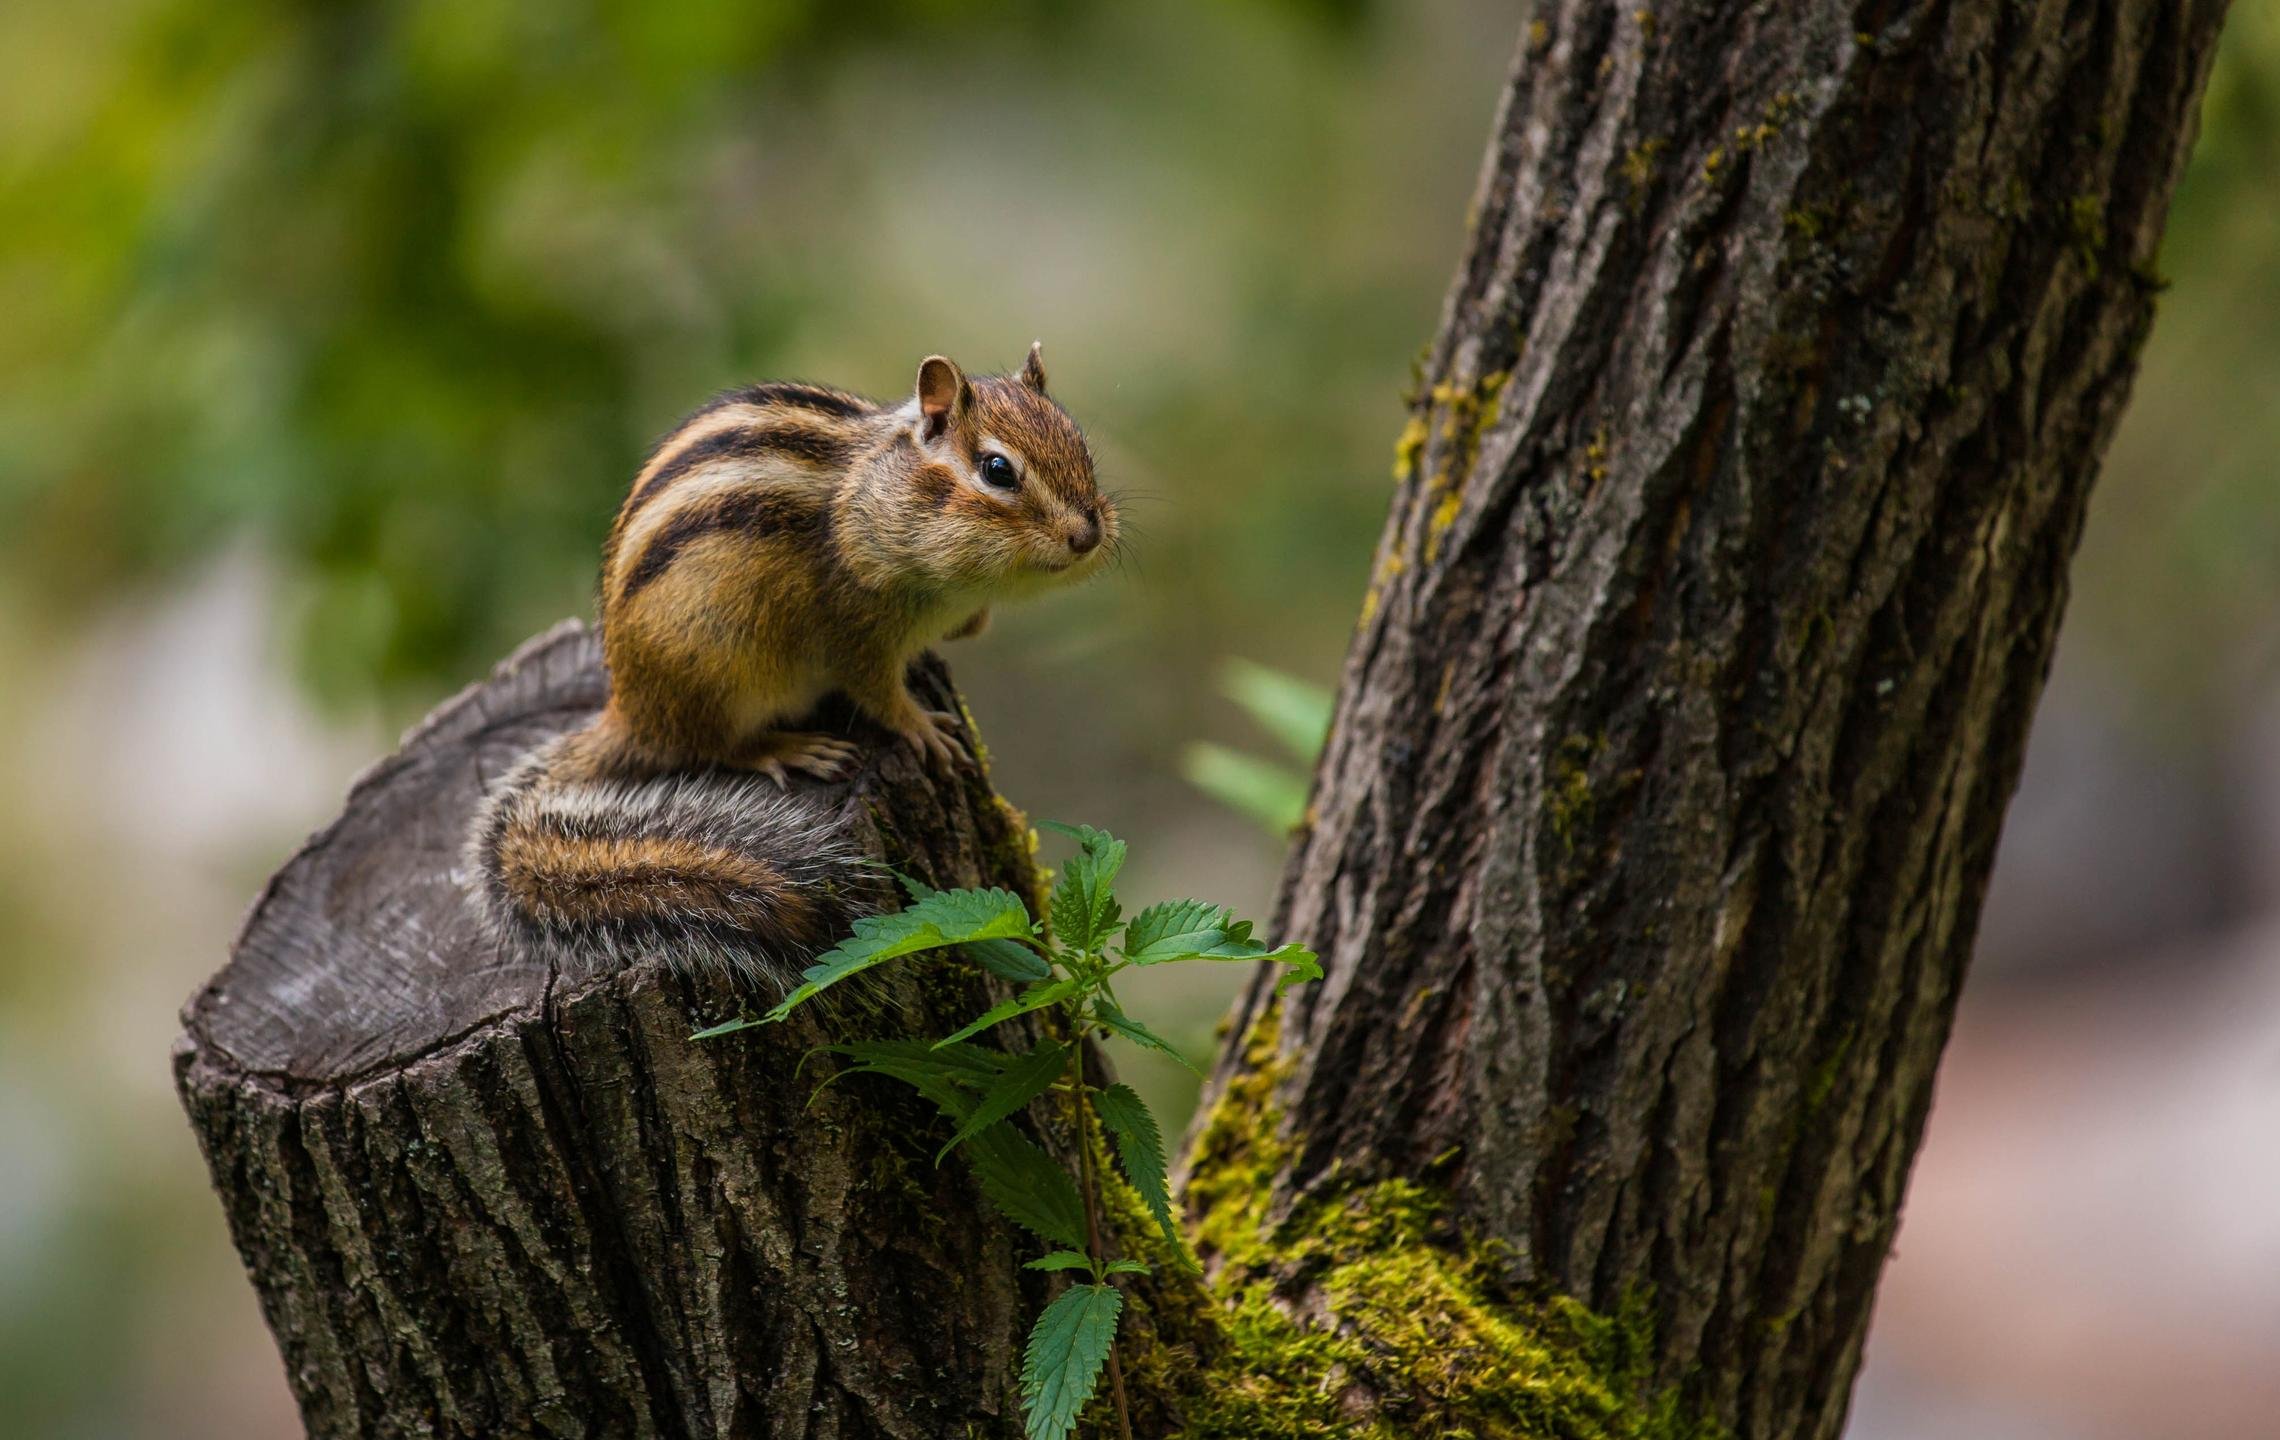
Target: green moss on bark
1367,1312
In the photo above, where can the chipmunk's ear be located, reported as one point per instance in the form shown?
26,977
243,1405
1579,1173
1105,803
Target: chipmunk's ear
1033,369
943,395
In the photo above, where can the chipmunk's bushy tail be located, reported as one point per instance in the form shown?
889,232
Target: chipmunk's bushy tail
713,871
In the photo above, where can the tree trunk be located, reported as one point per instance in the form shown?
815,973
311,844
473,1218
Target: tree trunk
1728,549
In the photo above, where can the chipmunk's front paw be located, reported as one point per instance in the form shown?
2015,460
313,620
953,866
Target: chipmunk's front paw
933,734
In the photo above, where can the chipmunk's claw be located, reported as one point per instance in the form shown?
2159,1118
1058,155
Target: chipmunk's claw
826,757
933,734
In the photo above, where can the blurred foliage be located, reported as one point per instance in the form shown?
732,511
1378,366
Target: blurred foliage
404,290
2178,581
1296,713
393,297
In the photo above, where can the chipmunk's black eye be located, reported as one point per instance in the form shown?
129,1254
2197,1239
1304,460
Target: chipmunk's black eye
999,471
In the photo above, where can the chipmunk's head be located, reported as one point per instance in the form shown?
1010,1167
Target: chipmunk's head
1000,483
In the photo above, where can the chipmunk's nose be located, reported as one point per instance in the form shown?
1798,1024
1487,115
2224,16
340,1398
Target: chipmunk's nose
1084,537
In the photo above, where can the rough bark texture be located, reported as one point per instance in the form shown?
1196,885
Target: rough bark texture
1728,550
480,1199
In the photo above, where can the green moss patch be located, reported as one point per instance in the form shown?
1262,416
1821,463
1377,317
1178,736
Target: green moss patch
1368,1313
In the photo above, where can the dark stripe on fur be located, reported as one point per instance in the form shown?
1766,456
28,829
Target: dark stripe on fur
754,512
827,545
791,393
804,397
935,485
813,447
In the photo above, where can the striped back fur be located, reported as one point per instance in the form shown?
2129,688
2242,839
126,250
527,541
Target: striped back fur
761,459
789,540
710,870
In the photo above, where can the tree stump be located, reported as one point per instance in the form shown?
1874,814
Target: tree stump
479,1197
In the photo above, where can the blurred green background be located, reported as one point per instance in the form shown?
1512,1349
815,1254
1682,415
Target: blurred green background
330,335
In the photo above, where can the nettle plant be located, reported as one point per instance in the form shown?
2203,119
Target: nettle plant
1067,970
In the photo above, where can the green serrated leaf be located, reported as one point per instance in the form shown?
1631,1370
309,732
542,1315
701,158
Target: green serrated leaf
1024,1079
1126,1267
947,917
1140,1153
1067,1348
1097,926
727,1027
1230,940
953,1079
1036,997
1301,965
954,1102
1061,1260
1083,905
971,1065
912,886
1174,928
1009,960
1022,1181
1222,945
1105,1011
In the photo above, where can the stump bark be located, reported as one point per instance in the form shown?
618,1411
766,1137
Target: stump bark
481,1198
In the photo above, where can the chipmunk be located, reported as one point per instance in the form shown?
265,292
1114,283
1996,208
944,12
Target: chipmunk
784,542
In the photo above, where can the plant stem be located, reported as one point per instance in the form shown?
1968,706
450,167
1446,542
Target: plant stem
1079,1108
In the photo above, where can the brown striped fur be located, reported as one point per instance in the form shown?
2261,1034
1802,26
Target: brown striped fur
612,878
788,541
727,873
784,542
